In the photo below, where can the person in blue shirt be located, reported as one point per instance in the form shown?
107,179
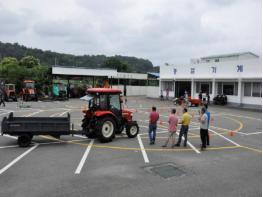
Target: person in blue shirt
208,117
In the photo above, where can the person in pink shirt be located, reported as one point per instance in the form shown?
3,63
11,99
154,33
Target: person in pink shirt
173,121
153,118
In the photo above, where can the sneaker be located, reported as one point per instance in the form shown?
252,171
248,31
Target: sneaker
177,145
164,145
185,145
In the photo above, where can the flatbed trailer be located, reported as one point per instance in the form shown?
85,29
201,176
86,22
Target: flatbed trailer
27,127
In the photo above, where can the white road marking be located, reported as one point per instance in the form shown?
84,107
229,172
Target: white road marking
55,114
254,133
6,112
13,146
10,136
80,136
61,114
84,157
34,113
191,145
145,157
17,159
227,139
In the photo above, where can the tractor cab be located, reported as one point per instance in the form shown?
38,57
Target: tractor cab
29,90
105,117
10,91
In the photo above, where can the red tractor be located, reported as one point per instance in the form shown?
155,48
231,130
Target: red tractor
29,91
105,117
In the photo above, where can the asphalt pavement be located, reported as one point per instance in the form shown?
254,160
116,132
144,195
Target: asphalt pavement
78,166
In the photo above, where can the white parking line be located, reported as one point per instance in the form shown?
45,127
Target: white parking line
84,157
254,133
6,112
61,114
13,146
17,159
10,136
34,113
227,139
145,157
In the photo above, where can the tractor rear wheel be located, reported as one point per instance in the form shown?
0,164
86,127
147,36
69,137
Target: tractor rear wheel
106,129
132,130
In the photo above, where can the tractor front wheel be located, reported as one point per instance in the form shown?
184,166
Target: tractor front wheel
132,130
106,129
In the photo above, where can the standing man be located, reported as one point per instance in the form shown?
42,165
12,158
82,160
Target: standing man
172,121
208,120
203,128
2,99
208,98
153,118
167,93
184,128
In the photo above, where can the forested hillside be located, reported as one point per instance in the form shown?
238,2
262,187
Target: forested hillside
132,64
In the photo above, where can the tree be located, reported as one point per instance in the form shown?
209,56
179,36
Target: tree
115,63
29,62
10,69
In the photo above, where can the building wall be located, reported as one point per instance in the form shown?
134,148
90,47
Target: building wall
149,91
152,92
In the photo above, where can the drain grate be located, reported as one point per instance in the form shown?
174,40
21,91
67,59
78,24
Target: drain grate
166,171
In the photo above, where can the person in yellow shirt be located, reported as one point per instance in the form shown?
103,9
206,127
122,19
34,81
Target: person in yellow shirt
186,119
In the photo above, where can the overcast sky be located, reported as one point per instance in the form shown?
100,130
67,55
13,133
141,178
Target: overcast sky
162,31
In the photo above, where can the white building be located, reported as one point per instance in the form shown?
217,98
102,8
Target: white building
238,75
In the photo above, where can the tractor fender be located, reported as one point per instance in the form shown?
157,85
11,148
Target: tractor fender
104,113
100,114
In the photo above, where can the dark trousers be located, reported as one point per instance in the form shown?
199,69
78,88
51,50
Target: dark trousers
2,101
183,132
207,138
204,137
152,132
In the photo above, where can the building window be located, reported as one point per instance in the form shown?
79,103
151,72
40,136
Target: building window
256,90
197,87
227,88
247,89
203,87
153,82
253,89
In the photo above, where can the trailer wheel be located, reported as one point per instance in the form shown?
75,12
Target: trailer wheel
132,130
106,129
24,140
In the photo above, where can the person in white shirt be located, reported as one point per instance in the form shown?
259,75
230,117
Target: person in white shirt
203,128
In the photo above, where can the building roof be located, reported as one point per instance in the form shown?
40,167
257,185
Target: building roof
230,55
154,74
103,90
78,71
